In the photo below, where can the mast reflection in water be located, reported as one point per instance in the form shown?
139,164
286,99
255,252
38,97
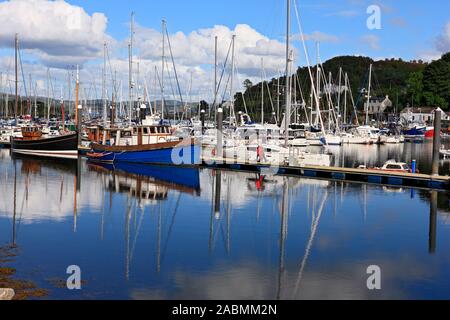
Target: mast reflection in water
142,232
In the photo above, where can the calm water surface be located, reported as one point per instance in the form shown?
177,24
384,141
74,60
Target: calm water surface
158,233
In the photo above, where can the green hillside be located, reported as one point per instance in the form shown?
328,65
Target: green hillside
406,83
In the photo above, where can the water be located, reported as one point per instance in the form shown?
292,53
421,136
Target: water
285,238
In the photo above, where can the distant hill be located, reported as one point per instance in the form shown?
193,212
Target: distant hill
413,83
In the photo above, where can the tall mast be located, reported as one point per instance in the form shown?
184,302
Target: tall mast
29,95
77,89
317,82
262,91
231,79
104,86
368,95
278,100
16,106
339,93
35,101
287,115
48,94
345,99
130,68
162,66
215,78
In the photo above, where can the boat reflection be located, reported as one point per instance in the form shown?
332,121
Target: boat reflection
147,182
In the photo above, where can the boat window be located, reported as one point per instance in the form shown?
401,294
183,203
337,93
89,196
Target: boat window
145,130
393,166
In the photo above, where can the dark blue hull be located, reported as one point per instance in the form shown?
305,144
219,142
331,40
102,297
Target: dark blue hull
184,155
415,132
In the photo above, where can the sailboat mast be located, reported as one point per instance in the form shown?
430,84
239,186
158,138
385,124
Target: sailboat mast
262,91
162,66
231,80
16,106
339,91
368,94
77,89
345,100
130,69
215,78
318,82
288,92
104,85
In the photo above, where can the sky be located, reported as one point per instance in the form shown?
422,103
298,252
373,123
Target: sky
55,36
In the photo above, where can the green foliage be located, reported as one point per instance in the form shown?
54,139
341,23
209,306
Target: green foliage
400,80
415,86
436,82
247,84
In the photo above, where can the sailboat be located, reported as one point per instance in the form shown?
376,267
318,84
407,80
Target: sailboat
32,141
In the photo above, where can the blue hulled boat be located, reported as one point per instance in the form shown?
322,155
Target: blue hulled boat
147,145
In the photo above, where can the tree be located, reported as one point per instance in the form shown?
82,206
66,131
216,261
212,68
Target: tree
415,86
436,81
247,84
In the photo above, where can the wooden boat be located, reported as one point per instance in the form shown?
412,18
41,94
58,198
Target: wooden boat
146,144
32,143
154,153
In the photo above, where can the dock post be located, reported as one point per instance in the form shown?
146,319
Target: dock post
433,222
219,133
202,120
436,142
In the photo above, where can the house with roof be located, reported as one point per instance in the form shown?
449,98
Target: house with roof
421,115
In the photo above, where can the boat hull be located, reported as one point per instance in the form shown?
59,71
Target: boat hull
55,147
170,153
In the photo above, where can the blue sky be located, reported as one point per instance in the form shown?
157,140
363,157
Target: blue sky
409,28
63,34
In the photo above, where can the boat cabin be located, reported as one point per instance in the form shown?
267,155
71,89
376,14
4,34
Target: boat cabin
138,135
395,166
31,133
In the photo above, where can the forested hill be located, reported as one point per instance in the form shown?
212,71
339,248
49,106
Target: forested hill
406,83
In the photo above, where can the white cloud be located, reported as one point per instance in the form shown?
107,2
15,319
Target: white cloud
317,36
372,41
59,35
57,32
343,13
441,46
443,40
197,47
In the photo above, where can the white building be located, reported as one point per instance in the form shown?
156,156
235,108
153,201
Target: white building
421,115
378,105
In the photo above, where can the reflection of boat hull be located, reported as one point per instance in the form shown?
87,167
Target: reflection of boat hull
181,176
158,153
55,147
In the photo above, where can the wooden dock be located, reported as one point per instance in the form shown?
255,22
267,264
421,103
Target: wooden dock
369,176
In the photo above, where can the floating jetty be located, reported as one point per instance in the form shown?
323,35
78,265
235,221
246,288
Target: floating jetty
378,177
